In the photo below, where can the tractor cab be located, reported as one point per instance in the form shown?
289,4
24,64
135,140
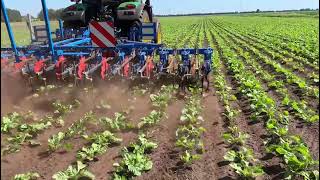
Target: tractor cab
126,11
128,16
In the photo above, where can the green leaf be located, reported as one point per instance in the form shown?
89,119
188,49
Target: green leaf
27,176
281,150
315,174
313,119
230,156
68,147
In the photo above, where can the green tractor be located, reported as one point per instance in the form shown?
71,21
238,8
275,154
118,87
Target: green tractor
128,15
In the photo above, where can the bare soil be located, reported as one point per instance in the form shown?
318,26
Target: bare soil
17,96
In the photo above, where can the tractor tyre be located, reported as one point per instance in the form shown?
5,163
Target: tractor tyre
67,24
134,33
73,24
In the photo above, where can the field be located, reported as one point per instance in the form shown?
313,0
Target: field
21,32
260,121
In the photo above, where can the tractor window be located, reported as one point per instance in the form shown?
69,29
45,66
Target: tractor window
131,0
93,2
113,1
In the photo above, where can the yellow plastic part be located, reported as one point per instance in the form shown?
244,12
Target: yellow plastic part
159,35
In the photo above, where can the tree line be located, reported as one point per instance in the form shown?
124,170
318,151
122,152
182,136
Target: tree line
55,14
243,12
15,15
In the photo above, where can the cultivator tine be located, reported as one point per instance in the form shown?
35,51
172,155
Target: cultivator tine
50,68
125,64
125,67
142,70
129,59
92,70
68,72
82,66
59,67
176,64
146,60
173,65
105,67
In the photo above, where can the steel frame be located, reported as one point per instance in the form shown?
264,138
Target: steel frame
81,46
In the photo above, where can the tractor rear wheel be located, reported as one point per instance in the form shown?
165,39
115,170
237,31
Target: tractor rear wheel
73,24
135,28
134,32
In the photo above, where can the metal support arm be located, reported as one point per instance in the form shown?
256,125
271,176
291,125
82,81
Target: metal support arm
11,37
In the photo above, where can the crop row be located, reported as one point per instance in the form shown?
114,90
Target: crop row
189,133
299,108
296,34
280,142
134,155
290,78
240,156
20,132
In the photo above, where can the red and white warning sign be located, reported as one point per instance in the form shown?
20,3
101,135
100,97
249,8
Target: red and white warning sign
102,34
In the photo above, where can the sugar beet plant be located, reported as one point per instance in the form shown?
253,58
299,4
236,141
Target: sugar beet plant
241,158
242,162
77,128
11,121
294,152
153,118
189,133
118,123
300,109
159,102
134,159
23,132
27,176
99,144
161,99
78,171
61,109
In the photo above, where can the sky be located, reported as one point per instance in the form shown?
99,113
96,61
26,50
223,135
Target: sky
162,7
